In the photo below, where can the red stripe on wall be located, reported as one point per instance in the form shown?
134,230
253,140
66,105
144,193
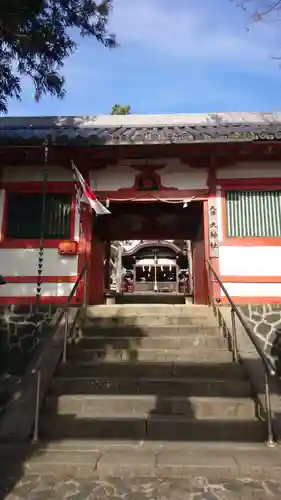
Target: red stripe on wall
246,241
36,187
250,300
261,183
251,279
25,244
44,279
46,300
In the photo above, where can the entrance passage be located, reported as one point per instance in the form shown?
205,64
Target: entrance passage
165,254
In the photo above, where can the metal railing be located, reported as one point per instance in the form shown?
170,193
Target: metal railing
269,368
38,369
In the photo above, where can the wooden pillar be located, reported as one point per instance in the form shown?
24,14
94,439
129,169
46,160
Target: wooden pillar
96,279
85,246
200,282
134,276
107,254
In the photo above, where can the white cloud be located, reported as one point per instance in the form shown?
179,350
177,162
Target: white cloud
209,31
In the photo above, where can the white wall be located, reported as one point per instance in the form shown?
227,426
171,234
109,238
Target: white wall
250,261
24,262
253,170
29,290
253,289
174,175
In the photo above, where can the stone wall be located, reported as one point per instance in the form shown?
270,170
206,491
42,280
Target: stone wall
19,336
265,320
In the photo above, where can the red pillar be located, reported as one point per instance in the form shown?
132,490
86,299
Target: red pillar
96,276
200,281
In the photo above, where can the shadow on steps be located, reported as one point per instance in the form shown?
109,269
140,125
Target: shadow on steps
205,373
177,390
153,428
150,298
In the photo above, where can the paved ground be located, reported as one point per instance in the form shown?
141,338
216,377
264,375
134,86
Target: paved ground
38,487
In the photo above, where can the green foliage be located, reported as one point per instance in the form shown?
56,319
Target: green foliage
117,109
36,36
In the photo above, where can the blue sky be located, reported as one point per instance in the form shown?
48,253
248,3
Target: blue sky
175,56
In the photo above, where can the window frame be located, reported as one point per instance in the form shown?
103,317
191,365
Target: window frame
268,184
35,188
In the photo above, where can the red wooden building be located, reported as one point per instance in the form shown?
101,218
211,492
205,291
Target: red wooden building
212,179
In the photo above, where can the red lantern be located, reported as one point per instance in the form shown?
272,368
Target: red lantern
69,247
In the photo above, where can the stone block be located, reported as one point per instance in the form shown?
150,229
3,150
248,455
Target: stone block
187,463
72,463
264,462
125,463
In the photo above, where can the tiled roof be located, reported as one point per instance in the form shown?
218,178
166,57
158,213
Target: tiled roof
150,244
142,129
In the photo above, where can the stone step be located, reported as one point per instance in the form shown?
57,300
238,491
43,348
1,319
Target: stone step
146,355
188,310
145,386
160,342
154,428
148,320
93,459
99,406
150,331
123,369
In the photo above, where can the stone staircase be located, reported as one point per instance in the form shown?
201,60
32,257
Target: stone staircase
148,390
150,373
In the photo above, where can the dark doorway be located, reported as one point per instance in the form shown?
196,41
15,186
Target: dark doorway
150,221
158,221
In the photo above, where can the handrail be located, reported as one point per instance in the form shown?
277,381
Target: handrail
37,368
269,368
268,365
77,282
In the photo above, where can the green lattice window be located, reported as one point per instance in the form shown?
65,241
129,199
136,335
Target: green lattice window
253,214
24,217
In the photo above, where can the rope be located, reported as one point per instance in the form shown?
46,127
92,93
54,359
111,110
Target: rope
42,234
161,200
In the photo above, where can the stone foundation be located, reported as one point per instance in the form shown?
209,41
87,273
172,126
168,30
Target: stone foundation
19,336
265,320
